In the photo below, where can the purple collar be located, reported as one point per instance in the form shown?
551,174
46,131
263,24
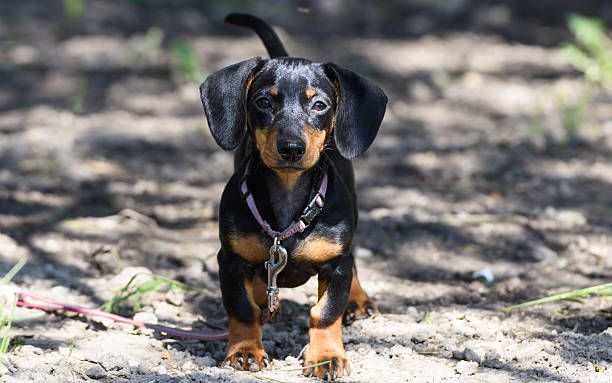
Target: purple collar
311,211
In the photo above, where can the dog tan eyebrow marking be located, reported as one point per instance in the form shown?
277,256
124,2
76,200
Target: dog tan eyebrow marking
274,91
248,83
310,92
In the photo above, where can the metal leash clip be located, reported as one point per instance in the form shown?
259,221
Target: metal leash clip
274,267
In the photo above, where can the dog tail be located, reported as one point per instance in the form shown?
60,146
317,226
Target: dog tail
264,31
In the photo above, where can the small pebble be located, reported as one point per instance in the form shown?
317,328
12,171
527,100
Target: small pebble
161,370
457,354
189,366
112,362
163,309
27,348
175,297
205,361
106,322
485,273
124,327
528,351
415,314
398,349
95,372
145,317
471,355
492,360
15,361
419,337
466,368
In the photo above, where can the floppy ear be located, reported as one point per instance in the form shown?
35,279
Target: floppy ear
223,95
360,110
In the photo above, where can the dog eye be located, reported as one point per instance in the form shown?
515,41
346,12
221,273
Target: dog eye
263,103
319,106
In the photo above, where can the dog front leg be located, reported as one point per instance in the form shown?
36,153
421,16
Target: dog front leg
242,296
325,333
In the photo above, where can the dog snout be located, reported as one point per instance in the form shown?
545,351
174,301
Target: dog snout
291,150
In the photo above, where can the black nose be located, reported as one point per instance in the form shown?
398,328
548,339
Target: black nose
291,150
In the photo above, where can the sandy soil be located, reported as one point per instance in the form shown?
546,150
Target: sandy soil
472,171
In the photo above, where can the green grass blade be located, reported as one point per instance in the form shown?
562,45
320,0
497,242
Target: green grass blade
136,292
153,285
268,379
605,289
3,318
5,339
5,324
588,31
188,60
79,100
181,285
13,271
112,306
7,320
73,9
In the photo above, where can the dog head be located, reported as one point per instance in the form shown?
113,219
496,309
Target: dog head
292,107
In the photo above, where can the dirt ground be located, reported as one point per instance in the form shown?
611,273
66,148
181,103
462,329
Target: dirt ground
472,171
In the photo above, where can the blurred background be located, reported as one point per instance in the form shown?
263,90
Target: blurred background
494,156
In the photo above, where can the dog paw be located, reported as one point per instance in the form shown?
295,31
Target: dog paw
247,360
336,366
359,310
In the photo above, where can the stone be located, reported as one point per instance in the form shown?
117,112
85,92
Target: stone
145,317
112,362
189,366
419,337
175,297
205,361
95,372
471,355
466,368
492,360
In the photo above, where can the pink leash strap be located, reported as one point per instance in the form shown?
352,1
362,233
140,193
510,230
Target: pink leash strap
9,294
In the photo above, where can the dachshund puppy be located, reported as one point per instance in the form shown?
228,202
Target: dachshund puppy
289,212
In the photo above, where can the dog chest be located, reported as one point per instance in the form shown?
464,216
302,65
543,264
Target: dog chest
315,248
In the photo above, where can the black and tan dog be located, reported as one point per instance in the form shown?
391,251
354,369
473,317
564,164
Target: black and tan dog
296,125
